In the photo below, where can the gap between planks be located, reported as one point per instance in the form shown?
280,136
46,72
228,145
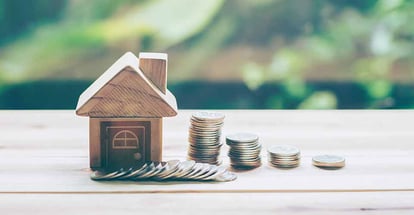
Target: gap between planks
209,191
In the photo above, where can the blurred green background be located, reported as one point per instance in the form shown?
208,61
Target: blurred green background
272,54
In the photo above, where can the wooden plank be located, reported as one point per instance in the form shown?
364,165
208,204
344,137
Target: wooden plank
47,151
196,203
327,130
66,171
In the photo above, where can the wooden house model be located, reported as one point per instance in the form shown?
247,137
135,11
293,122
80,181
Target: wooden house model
125,106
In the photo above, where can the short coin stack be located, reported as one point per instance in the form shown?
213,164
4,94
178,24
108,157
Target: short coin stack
283,156
171,170
204,137
328,161
244,150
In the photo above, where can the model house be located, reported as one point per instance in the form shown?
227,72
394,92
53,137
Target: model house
125,106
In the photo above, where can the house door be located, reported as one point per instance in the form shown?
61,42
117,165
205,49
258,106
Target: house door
126,146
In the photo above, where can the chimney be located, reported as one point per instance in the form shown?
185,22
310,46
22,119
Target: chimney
154,66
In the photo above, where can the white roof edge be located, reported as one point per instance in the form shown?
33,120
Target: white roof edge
128,59
153,55
171,100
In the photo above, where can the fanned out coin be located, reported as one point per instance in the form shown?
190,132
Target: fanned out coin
204,137
283,156
244,150
328,161
170,170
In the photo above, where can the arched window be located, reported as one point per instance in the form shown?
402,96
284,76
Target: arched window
125,140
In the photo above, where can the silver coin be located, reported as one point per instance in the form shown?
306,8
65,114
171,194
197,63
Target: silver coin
245,149
184,168
135,172
247,163
283,150
201,145
171,168
205,128
121,173
284,156
208,115
328,161
196,168
99,175
205,168
285,163
205,147
247,153
285,166
244,152
220,170
226,176
204,136
158,168
241,137
212,171
203,155
149,170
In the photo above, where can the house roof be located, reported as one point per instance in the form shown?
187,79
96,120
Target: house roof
125,91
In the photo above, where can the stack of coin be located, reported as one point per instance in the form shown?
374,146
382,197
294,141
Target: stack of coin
283,156
170,170
204,137
328,161
244,150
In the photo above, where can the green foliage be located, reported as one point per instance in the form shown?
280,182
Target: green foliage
365,42
319,100
253,75
94,10
19,16
90,27
295,87
367,45
2,8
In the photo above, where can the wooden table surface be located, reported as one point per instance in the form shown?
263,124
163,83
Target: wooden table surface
44,167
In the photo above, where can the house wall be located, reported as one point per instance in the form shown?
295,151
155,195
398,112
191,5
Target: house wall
95,150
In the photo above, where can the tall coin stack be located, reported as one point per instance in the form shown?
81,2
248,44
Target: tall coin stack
244,150
283,156
204,137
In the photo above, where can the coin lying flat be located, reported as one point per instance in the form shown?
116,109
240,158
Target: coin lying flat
242,138
208,116
171,170
328,161
283,150
283,156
